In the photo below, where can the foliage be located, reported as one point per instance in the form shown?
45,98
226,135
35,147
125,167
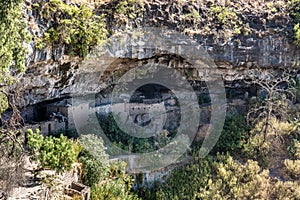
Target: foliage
127,142
285,190
256,147
221,177
233,180
3,102
294,148
107,180
55,153
232,135
297,86
294,10
292,167
94,145
116,186
93,158
79,28
297,34
226,17
13,35
277,93
12,52
128,9
193,15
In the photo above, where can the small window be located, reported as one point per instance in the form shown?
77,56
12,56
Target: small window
49,128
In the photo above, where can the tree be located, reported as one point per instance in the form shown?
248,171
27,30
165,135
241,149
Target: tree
278,93
13,33
56,153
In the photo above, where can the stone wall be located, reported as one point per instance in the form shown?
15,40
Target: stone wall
47,127
268,44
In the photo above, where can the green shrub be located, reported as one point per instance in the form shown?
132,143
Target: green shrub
93,158
93,170
193,15
294,148
257,149
54,153
116,186
285,190
94,145
292,167
297,34
128,9
232,135
294,10
233,180
226,18
79,28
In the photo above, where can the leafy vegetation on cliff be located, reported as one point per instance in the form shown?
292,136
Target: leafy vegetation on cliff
294,9
77,28
13,32
13,53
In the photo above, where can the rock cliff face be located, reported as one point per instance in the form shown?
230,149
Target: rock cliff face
253,36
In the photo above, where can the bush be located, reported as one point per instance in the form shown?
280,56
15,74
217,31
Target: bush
93,158
292,167
127,10
294,10
255,147
294,148
116,186
79,28
297,34
233,180
94,145
54,153
227,18
232,135
285,190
